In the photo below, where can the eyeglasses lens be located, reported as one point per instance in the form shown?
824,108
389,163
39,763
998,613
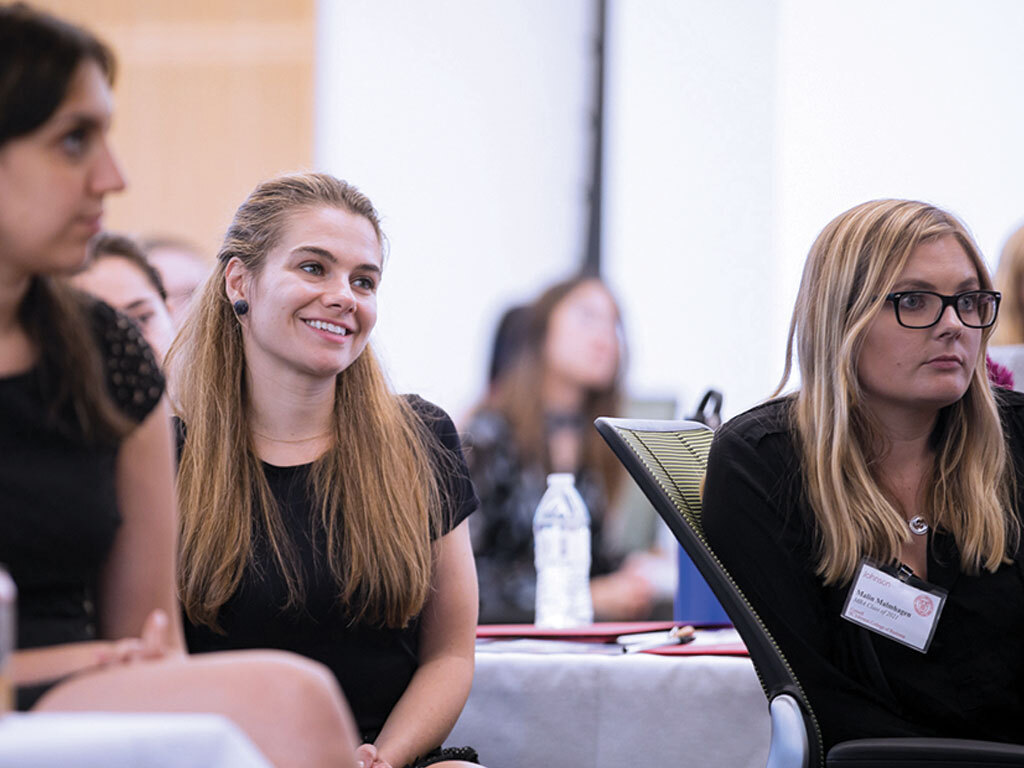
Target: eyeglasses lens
975,309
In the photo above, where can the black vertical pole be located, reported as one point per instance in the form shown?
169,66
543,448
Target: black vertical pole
592,255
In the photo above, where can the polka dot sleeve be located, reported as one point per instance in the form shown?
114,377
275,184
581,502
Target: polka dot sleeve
133,376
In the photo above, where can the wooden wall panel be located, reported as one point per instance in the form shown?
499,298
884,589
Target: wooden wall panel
211,97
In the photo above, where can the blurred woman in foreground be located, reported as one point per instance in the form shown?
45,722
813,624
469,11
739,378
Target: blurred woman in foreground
87,524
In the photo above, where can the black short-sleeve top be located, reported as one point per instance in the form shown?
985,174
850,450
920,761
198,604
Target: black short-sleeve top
58,500
372,664
970,684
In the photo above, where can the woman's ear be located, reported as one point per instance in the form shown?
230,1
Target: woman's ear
236,280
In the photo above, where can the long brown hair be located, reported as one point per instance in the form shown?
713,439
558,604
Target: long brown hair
851,267
1010,280
379,467
39,55
517,393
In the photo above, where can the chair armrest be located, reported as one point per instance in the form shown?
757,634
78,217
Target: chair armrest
789,748
924,753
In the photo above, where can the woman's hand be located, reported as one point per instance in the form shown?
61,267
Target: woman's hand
624,595
152,643
43,665
367,757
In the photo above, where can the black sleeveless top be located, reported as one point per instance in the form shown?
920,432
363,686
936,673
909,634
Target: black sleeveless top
373,664
58,501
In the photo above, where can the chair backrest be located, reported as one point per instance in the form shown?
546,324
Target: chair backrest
668,459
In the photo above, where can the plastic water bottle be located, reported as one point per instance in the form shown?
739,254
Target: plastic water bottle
561,553
8,597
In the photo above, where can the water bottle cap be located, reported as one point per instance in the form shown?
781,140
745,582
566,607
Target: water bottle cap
561,478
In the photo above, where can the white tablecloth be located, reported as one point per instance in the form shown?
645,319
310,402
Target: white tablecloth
602,711
105,740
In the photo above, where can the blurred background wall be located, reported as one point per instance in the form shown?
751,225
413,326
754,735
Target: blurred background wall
738,129
734,131
466,123
211,97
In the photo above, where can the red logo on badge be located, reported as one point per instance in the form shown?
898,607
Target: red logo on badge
923,605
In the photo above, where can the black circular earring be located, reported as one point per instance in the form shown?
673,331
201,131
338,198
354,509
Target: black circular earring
241,307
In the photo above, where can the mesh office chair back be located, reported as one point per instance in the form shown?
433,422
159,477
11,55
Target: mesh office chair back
667,459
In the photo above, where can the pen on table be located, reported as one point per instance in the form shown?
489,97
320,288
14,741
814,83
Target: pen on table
675,636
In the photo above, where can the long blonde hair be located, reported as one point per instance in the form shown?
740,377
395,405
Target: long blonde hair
379,469
851,267
1009,279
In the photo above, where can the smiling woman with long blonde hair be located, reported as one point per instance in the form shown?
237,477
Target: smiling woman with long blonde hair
896,454
321,513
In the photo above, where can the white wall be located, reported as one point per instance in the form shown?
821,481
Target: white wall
465,122
690,195
917,98
742,127
736,130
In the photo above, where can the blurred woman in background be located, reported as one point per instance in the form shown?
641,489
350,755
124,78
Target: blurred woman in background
1010,282
538,419
182,269
1006,348
118,273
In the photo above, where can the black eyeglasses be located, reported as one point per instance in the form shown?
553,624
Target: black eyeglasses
922,309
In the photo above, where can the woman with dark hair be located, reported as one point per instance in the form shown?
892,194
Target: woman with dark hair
321,513
87,523
118,273
508,341
537,419
872,518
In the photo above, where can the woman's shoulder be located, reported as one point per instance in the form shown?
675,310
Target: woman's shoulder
1011,416
429,413
763,422
760,443
754,476
1010,402
132,374
436,420
449,461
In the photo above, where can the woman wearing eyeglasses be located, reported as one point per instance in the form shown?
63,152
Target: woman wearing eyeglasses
872,517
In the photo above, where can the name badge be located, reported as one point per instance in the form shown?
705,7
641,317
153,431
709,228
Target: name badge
900,607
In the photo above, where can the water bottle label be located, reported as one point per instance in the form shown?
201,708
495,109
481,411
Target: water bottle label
548,546
561,530
577,545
